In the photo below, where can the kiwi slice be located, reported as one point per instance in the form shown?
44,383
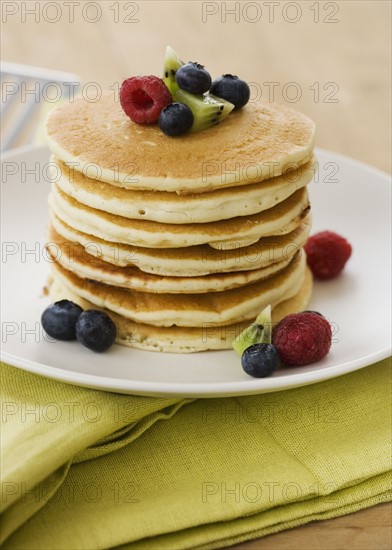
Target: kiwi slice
259,332
171,64
265,319
207,109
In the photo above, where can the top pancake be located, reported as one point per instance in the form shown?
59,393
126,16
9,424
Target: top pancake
260,141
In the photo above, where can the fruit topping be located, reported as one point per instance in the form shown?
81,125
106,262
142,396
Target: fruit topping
260,360
327,254
95,330
232,89
258,332
59,319
175,119
302,338
193,78
170,67
207,110
143,98
298,339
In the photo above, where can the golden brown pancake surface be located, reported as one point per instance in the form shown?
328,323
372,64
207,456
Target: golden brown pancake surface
258,142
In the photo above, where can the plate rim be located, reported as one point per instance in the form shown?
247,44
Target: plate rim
210,390
198,390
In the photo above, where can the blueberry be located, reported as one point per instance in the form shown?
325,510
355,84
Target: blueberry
95,330
193,78
59,319
260,360
231,88
175,119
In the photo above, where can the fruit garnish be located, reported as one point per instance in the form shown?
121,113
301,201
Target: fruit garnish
171,65
327,254
258,332
232,89
249,336
65,320
193,78
207,109
95,330
260,360
302,338
175,119
59,319
264,319
143,98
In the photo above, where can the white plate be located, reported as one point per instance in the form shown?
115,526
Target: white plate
348,197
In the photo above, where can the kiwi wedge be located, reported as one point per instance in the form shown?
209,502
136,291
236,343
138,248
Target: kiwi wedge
170,66
259,332
207,109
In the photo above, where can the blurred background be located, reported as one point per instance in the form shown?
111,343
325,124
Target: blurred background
331,60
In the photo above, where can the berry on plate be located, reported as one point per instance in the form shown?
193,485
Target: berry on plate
59,319
260,360
143,98
95,330
302,338
232,89
175,119
327,254
193,78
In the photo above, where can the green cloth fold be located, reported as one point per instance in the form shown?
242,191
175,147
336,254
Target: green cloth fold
84,469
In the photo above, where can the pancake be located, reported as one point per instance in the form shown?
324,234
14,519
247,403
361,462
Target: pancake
233,233
190,310
184,339
74,258
190,261
183,241
164,207
258,142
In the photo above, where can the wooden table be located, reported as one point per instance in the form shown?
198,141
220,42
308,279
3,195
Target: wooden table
330,60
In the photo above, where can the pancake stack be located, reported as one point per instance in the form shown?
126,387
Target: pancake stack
182,241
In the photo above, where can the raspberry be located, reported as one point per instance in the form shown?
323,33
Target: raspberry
143,98
302,338
327,254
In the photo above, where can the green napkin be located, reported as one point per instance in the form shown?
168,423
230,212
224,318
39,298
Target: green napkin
84,469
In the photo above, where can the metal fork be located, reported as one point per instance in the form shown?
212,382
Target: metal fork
25,91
